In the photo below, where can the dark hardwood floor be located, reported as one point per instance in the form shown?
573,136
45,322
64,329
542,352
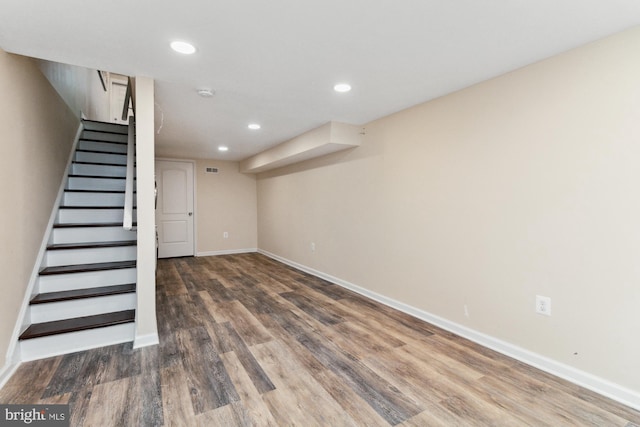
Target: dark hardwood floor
245,340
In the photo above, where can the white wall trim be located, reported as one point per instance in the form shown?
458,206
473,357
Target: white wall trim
227,252
7,372
589,381
146,340
13,352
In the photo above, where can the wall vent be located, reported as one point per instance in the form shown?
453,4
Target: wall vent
211,170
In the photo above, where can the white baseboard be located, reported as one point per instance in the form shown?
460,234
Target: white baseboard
584,379
227,252
146,340
7,372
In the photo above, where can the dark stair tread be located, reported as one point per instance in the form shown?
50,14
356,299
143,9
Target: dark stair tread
90,224
78,324
94,207
96,191
103,122
83,293
96,176
82,268
100,152
104,140
99,164
92,245
123,127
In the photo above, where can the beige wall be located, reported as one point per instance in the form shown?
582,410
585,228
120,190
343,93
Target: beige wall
37,131
225,201
526,184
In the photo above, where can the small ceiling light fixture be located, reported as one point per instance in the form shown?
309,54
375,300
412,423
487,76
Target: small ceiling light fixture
342,87
183,47
223,148
206,93
254,126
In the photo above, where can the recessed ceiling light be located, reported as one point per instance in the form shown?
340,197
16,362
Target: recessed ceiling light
223,148
254,126
183,47
342,87
205,93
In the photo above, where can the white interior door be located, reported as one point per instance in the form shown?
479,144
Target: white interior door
174,211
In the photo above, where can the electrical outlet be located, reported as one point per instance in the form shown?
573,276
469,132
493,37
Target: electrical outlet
466,311
543,305
225,235
313,247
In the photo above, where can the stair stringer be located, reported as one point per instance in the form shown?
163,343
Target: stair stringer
13,352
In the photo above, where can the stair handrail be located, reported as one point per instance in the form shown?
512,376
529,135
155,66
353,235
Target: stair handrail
129,98
127,222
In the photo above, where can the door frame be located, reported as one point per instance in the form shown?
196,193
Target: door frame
195,192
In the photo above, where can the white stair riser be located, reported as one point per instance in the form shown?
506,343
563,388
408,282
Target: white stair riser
83,156
90,279
99,170
81,183
52,311
91,234
104,127
95,199
102,136
40,348
86,216
89,256
102,146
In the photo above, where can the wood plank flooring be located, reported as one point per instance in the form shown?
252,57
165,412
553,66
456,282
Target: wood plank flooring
248,341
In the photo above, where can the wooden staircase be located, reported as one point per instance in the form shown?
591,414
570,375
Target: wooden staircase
85,293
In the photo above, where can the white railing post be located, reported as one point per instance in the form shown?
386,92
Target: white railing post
127,222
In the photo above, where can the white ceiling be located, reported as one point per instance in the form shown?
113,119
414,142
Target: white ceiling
275,62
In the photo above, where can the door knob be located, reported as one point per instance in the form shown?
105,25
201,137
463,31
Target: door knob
190,213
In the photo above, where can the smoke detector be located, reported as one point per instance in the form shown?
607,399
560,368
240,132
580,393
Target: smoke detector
205,93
